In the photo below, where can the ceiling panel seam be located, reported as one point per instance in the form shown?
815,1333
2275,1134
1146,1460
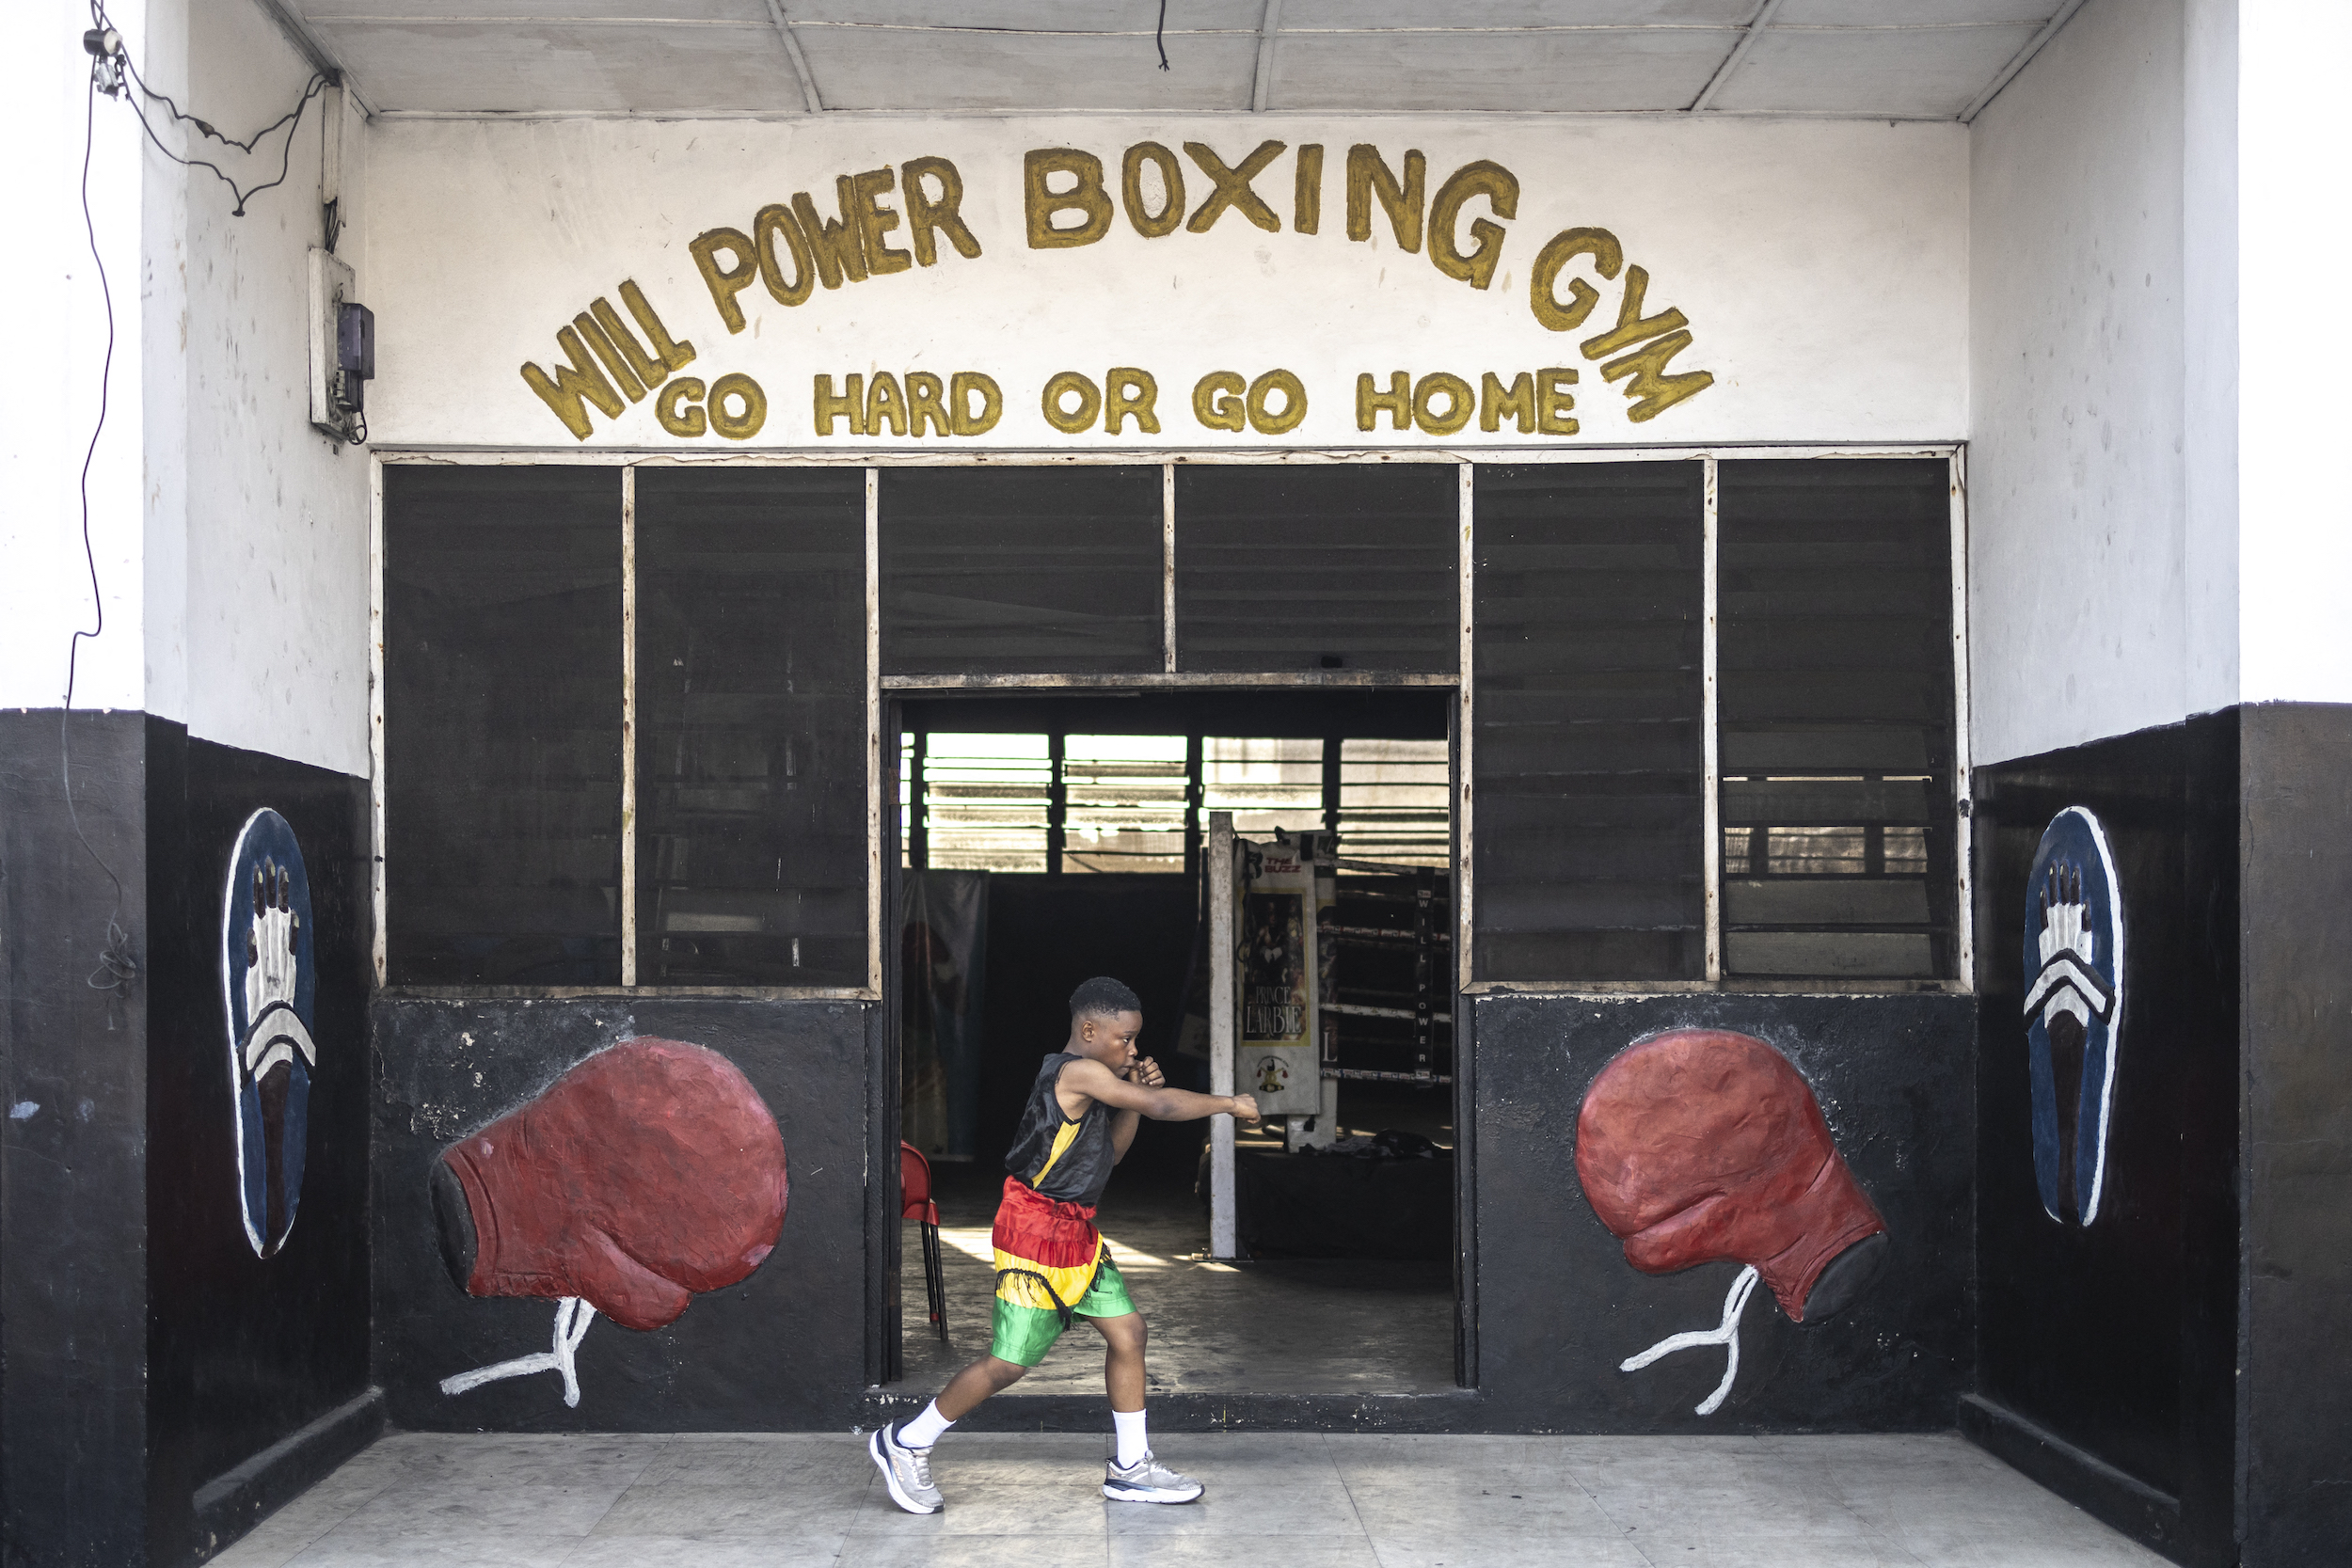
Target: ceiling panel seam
2024,57
1269,24
1755,29
809,95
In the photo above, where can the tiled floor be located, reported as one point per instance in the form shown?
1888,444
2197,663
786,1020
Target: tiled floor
1287,1501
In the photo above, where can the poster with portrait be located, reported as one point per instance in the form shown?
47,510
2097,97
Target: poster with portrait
1276,1058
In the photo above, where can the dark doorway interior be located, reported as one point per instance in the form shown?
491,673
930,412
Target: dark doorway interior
1045,812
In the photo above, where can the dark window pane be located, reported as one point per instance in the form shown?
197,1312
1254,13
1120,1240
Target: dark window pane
1021,571
502,726
751,712
1315,566
1588,762
1836,679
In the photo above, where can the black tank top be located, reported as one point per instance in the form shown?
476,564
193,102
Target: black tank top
1069,1162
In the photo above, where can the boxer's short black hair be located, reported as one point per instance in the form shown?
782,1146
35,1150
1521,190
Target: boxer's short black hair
1105,996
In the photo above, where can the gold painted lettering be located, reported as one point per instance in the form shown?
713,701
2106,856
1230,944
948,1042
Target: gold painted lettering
1501,188
884,403
1461,403
1657,390
1553,399
1496,402
1216,401
573,385
775,221
1397,400
1564,248
1148,224
1232,187
1070,422
928,218
642,365
1632,326
1262,420
962,418
1087,197
850,406
1369,180
874,220
1129,390
680,407
622,375
833,242
726,282
674,357
1307,193
734,426
923,392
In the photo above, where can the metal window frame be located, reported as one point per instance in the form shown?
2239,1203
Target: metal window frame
1169,677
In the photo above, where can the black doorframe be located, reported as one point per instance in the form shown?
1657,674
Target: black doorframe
886,1331
885,1343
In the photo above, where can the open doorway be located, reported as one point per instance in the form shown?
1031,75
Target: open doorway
1047,837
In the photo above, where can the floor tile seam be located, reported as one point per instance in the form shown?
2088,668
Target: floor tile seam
1624,1534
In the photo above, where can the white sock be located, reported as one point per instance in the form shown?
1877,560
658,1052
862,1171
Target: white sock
922,1431
1132,1444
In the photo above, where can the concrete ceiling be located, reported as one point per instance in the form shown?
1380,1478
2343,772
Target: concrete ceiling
1909,60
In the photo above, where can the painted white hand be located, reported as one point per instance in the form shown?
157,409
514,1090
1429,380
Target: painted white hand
2066,929
274,1031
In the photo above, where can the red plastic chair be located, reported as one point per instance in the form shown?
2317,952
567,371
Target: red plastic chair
916,1203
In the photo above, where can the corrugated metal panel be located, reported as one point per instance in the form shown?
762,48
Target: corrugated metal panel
750,709
1344,566
1021,571
502,726
1587,759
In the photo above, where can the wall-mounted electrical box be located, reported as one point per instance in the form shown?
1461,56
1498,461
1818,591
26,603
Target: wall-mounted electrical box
342,350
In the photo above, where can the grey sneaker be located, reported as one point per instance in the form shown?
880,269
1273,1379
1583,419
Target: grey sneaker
906,1471
1147,1481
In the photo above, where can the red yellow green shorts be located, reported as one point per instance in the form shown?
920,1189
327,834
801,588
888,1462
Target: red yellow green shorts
1051,1267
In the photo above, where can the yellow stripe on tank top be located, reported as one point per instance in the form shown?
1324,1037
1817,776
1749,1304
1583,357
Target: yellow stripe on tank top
1062,1141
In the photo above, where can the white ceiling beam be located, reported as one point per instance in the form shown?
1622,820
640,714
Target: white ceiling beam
1757,24
307,43
2023,58
809,96
1269,24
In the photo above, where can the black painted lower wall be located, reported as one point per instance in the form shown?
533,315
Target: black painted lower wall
1559,1306
783,1350
2175,1367
243,1350
2296,830
152,1368
73,1272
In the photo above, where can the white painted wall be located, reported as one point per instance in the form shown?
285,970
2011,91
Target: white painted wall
2080,535
2296,339
49,408
273,613
1822,267
231,538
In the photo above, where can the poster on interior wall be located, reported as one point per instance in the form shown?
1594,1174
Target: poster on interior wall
2074,1010
1705,1146
645,1175
943,948
1278,1056
269,981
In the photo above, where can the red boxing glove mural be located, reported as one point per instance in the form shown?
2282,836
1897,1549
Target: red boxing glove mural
647,1173
1700,1146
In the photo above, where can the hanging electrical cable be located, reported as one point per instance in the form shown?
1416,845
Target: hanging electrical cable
114,61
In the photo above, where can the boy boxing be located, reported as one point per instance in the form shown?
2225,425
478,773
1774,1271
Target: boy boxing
1050,1263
